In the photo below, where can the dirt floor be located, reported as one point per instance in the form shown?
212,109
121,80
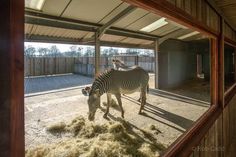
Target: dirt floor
195,88
172,114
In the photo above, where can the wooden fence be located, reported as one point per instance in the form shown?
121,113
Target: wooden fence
37,66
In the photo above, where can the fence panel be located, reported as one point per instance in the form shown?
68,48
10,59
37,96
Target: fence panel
37,66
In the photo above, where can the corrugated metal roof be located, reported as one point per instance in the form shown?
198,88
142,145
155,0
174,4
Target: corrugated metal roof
97,12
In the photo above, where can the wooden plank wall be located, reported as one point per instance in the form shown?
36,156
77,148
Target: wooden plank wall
229,32
217,141
36,66
204,13
200,10
85,65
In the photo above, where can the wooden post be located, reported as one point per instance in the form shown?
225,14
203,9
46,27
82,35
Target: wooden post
221,70
156,51
136,60
214,55
97,54
234,64
12,78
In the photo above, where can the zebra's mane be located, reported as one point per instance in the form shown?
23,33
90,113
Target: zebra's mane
99,80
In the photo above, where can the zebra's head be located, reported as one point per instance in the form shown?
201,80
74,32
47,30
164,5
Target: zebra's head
117,63
93,104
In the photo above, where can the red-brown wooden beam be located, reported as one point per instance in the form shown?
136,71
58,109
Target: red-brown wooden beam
221,72
214,71
230,41
235,64
12,78
168,10
229,94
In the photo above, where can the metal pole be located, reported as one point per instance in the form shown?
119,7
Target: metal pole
156,51
97,54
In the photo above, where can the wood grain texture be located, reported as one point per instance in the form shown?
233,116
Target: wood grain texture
12,78
179,14
220,139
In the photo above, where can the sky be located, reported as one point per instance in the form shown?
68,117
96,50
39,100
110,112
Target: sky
61,47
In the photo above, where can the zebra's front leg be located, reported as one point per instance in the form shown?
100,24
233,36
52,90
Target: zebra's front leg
143,100
118,97
108,105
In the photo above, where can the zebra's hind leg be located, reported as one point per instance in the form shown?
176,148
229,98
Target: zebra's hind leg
140,98
118,97
108,105
143,100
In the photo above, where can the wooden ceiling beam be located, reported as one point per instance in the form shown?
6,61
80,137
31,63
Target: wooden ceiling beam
173,34
37,18
47,39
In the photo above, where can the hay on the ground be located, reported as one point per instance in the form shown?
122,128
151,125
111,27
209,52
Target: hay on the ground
113,139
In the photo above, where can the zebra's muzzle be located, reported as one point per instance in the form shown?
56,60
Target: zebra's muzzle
91,116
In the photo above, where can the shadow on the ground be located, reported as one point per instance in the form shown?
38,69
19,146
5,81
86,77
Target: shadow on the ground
171,117
149,138
180,98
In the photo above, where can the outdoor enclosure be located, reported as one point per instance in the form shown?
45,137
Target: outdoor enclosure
40,66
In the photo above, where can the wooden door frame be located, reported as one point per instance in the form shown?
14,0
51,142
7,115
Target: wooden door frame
12,78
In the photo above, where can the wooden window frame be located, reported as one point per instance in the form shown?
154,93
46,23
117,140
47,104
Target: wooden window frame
184,145
13,12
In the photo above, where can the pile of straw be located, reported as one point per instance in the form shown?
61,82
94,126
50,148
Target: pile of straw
112,139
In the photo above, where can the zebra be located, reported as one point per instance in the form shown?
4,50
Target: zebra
117,82
119,65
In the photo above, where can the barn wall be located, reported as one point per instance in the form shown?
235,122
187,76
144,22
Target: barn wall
202,12
177,63
221,136
199,10
228,59
229,32
203,48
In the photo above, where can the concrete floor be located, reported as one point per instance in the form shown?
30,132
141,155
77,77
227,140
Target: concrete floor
172,113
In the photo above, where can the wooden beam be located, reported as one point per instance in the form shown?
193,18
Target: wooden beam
178,32
115,19
214,55
47,39
41,19
235,64
12,78
221,72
